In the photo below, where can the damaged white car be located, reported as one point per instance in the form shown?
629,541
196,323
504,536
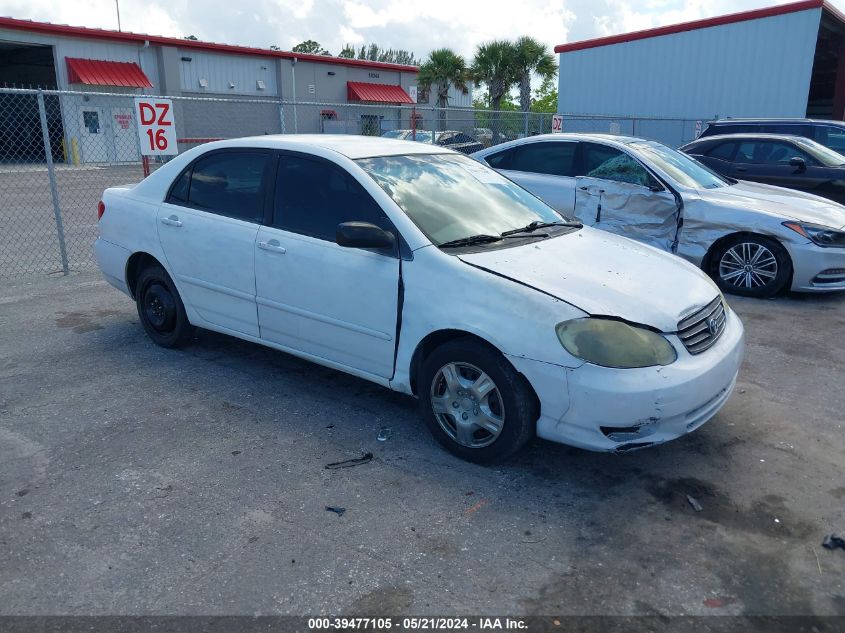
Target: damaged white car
753,239
419,269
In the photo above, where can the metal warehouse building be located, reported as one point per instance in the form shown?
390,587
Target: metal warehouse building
269,83
783,61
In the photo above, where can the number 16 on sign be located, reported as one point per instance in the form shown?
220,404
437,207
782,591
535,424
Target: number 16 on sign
156,126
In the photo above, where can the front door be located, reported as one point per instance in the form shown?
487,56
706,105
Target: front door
207,228
92,135
546,169
331,302
124,135
619,195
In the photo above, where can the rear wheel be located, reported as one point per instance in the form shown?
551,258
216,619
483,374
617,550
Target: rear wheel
475,403
160,308
751,265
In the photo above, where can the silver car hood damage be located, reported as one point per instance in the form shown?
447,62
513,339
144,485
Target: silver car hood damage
603,274
777,202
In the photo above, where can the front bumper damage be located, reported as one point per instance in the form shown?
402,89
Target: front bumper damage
602,409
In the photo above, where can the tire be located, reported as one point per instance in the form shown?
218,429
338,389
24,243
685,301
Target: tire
455,396
750,266
160,308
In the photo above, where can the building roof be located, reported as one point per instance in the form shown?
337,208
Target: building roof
721,20
139,38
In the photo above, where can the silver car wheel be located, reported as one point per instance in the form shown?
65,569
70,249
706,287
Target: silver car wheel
467,405
748,265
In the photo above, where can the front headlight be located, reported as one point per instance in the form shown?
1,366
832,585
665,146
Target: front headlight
611,343
821,235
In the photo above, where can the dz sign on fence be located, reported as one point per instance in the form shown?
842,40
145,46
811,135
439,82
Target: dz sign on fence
557,123
156,126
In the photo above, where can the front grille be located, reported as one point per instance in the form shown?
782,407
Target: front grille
701,330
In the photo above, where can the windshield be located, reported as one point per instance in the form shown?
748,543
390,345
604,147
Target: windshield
685,170
395,134
450,197
824,155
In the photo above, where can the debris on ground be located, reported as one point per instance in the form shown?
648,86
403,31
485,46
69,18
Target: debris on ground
832,541
384,434
718,603
337,510
694,503
476,507
348,463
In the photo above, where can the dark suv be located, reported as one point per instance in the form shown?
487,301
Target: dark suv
829,133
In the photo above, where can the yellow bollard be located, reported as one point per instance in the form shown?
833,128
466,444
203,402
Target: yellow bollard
74,150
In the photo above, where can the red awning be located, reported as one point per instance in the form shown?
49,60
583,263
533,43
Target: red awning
379,93
99,72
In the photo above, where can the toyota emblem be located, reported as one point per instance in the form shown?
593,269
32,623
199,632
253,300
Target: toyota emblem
713,326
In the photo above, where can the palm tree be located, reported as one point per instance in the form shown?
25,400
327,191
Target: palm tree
443,68
495,65
532,57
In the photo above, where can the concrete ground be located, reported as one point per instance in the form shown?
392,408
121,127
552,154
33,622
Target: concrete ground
137,480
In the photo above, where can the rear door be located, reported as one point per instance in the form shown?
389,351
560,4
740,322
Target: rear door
618,194
332,302
546,168
207,227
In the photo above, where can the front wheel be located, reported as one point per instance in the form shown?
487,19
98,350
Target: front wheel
160,308
475,403
751,266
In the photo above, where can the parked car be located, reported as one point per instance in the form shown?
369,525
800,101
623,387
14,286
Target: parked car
794,162
831,134
453,139
753,239
423,271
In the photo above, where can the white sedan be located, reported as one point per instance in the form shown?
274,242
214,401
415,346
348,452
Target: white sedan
421,270
753,239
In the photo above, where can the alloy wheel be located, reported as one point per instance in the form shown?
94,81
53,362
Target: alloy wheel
467,405
748,265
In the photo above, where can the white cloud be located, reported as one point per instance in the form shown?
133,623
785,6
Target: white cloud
421,27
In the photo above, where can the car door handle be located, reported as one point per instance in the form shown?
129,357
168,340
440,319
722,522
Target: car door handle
741,168
273,246
172,221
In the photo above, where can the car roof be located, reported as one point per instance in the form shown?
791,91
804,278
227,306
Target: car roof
349,145
566,136
749,135
796,121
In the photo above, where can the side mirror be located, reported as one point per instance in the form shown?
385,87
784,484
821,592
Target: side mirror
363,235
798,163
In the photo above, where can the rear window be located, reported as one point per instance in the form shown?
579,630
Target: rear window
722,151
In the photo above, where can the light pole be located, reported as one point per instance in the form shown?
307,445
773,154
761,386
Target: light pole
117,6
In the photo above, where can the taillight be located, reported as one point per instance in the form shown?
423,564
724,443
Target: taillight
101,209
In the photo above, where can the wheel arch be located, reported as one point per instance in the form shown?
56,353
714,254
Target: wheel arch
435,339
135,264
707,260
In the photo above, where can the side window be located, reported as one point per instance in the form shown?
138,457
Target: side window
722,151
179,189
770,153
549,157
832,137
314,196
229,183
500,160
609,163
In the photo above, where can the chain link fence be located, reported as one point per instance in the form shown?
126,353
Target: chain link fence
60,150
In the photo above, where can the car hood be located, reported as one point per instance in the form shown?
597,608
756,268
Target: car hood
779,202
607,275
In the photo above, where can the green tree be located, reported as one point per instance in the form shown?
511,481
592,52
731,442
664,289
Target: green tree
192,37
348,51
310,47
495,66
545,97
375,53
443,68
531,57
